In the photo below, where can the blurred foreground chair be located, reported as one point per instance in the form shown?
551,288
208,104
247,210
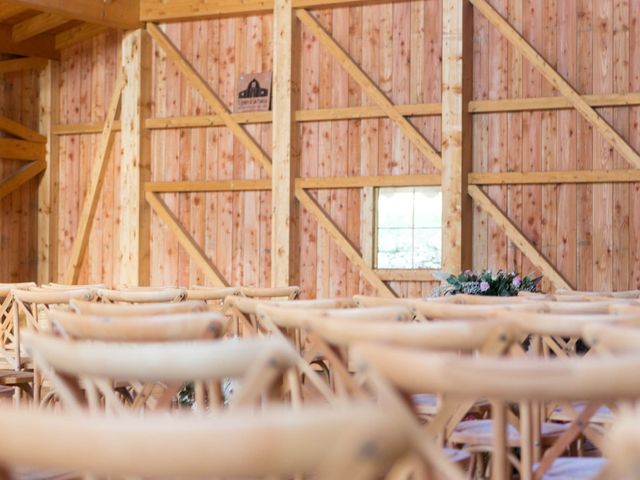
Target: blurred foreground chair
260,364
393,370
351,442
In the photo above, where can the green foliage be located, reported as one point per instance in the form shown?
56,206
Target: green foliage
500,283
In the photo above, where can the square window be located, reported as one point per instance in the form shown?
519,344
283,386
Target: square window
409,227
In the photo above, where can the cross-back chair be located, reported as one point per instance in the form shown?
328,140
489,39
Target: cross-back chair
289,320
142,295
260,364
356,441
517,381
136,309
213,296
130,324
29,310
290,292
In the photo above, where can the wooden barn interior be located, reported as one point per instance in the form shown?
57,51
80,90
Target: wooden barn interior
388,147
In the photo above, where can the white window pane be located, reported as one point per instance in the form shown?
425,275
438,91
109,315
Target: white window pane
395,248
428,207
395,207
427,248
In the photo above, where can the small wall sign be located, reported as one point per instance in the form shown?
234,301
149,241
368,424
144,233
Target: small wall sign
254,92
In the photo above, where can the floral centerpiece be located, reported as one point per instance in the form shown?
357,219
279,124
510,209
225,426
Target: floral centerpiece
500,283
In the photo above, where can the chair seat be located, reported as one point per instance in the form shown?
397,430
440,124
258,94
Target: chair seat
574,468
427,403
456,456
480,432
603,416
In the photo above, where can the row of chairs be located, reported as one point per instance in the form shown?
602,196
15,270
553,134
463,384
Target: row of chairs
508,378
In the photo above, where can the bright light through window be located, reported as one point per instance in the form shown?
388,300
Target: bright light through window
409,227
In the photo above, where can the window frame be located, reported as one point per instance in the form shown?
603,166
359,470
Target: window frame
391,274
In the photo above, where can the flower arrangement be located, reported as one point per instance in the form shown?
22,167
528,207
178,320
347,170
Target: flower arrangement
500,283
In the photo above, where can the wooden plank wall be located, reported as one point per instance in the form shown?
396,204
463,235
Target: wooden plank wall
87,77
18,210
401,52
591,232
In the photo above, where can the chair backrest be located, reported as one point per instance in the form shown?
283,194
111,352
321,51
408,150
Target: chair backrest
627,294
142,328
291,292
136,309
33,305
622,448
5,288
598,380
612,338
62,286
97,364
358,441
142,295
211,294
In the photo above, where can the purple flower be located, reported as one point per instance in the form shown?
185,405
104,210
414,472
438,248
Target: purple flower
484,286
468,273
517,281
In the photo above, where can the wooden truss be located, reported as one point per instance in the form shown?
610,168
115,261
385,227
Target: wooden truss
29,146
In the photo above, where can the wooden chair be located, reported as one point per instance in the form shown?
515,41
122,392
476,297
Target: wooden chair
289,320
426,310
628,294
290,293
126,326
6,317
32,306
622,449
141,295
136,309
210,295
262,363
62,286
525,380
356,441
142,328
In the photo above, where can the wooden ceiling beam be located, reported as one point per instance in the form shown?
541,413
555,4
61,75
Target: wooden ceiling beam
25,63
38,24
8,10
78,34
41,45
171,10
124,14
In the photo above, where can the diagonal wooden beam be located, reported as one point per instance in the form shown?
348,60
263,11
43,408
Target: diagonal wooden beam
209,95
370,87
96,179
25,133
518,238
590,115
20,177
345,245
38,24
185,239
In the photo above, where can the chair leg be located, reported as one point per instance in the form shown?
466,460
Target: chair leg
499,450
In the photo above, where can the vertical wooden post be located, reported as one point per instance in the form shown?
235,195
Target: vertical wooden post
286,151
457,134
48,187
134,240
